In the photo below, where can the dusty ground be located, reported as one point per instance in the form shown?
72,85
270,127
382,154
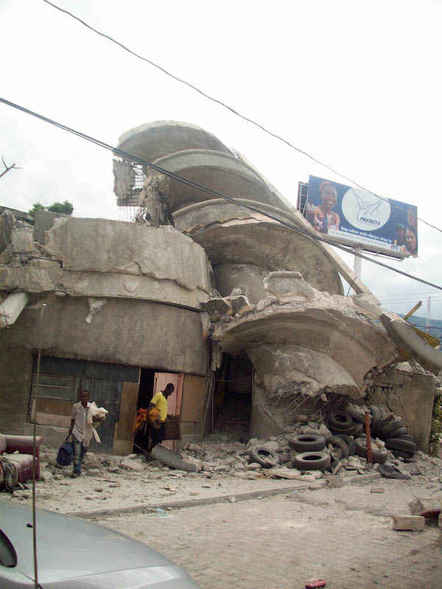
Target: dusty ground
341,535
336,527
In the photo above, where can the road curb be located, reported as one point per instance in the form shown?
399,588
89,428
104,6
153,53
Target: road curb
226,498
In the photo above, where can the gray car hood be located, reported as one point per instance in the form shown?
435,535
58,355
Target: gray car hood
70,548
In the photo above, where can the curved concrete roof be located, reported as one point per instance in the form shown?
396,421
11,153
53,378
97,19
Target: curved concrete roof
217,171
271,246
327,326
154,140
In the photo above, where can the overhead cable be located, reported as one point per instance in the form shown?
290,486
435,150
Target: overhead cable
211,191
226,106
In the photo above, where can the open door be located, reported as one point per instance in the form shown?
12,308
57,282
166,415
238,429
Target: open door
173,432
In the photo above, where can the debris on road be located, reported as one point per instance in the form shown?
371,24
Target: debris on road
412,523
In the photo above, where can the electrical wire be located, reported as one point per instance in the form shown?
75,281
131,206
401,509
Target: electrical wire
210,191
226,106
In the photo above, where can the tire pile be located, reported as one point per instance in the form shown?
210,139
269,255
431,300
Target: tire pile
348,425
310,452
314,451
391,429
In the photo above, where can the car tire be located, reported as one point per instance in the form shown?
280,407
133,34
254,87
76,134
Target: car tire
401,444
340,420
312,461
263,456
399,433
389,430
307,442
407,456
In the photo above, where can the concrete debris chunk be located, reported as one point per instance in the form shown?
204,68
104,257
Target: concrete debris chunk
238,302
426,506
284,473
217,307
413,523
129,463
271,445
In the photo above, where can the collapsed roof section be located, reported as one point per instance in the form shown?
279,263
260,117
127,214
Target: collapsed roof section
298,329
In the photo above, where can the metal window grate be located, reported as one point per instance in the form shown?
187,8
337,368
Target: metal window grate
129,180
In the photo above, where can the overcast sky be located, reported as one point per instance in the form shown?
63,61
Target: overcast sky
356,83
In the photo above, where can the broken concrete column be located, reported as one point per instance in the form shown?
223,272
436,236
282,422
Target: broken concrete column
11,308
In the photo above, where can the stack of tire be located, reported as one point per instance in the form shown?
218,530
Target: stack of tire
391,429
347,425
310,452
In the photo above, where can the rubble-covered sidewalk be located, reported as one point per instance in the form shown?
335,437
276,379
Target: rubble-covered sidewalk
224,472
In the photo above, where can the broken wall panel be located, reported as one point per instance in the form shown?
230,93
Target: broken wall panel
408,392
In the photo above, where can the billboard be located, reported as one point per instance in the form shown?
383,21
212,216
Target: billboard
356,217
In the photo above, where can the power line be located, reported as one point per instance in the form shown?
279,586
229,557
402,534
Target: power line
226,106
210,191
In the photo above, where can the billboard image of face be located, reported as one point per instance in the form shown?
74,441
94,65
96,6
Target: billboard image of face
354,216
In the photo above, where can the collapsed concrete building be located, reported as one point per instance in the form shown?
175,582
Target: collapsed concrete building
246,315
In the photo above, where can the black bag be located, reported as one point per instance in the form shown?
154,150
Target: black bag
65,454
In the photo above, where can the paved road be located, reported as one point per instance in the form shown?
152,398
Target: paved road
341,535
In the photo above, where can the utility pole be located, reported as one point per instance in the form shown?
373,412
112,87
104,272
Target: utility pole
357,266
428,318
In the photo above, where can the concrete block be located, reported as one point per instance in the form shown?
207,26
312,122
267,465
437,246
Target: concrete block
414,523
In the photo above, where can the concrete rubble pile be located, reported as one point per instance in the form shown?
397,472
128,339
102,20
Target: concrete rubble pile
222,467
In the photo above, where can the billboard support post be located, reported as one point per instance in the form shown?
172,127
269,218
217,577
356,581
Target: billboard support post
357,266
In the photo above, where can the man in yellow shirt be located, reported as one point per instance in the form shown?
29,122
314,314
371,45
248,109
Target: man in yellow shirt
158,425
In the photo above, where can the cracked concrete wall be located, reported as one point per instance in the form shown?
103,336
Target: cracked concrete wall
101,258
136,333
98,245
409,392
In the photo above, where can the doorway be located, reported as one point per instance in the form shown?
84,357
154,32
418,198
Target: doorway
151,382
232,405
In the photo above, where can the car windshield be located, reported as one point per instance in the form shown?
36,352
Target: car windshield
8,555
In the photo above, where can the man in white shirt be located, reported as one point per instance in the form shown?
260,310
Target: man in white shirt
80,430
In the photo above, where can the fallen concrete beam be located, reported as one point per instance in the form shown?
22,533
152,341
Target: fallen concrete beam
406,338
11,308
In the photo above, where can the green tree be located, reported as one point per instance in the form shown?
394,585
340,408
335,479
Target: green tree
65,208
